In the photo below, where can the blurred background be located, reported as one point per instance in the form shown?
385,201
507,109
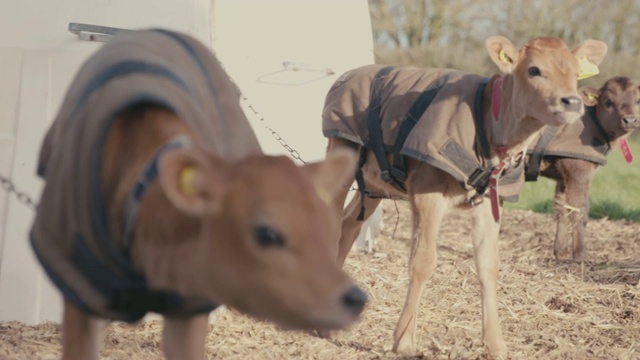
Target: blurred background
451,33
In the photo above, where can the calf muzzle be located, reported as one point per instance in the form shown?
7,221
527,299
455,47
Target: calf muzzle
354,300
630,122
572,103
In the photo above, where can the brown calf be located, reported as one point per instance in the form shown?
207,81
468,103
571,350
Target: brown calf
439,156
575,153
158,198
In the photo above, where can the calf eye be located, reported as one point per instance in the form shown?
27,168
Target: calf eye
266,236
534,71
608,103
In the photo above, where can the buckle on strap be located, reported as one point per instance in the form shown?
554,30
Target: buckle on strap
479,179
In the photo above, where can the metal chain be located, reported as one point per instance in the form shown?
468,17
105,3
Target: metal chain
9,187
294,153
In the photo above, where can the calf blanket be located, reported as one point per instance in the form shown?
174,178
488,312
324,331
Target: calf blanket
583,139
429,114
70,234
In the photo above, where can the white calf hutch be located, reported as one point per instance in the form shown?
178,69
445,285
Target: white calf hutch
283,54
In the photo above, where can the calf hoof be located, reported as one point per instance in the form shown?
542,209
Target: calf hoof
323,333
563,254
497,352
580,255
404,346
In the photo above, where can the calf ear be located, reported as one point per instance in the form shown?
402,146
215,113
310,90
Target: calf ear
192,180
502,52
593,50
589,54
589,95
330,175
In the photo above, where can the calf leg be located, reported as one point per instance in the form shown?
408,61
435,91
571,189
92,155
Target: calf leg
562,246
81,334
428,211
183,339
572,209
579,247
351,226
485,245
350,229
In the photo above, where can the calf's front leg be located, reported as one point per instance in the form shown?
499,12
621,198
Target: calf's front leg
81,334
485,231
184,338
572,208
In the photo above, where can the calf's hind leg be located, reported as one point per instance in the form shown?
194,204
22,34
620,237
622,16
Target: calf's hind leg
428,210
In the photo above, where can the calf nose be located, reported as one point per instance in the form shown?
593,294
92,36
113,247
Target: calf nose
572,103
630,120
354,299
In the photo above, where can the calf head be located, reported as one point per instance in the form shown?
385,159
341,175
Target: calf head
617,105
266,228
545,75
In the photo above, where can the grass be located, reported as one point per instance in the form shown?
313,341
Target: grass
615,192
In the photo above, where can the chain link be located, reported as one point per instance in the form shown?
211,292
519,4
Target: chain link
22,197
294,153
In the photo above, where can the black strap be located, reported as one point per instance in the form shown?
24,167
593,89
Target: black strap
478,117
535,158
480,176
360,181
376,142
128,294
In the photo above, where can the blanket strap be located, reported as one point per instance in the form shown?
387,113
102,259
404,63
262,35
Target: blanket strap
535,158
375,142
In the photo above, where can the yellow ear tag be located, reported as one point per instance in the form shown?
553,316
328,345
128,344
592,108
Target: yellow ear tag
587,69
502,56
591,96
186,180
324,195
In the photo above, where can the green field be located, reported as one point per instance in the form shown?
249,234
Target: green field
615,192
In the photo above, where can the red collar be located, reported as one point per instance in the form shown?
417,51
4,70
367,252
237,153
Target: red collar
496,103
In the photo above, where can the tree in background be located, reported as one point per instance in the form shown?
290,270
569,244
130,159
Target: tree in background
451,33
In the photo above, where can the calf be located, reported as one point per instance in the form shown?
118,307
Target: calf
473,132
158,198
571,155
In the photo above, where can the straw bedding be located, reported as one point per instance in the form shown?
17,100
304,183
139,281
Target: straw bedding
549,309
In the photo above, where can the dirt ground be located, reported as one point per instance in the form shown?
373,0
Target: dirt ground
549,310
